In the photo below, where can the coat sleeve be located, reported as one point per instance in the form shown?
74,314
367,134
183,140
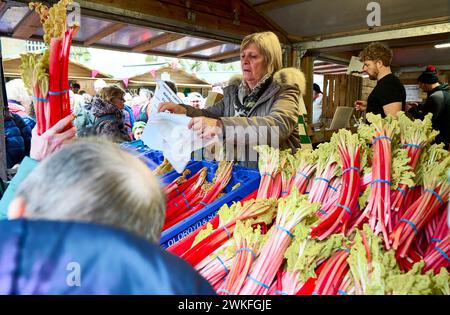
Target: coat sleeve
279,123
25,168
215,111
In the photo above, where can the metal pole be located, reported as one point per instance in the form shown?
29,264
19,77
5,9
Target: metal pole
3,109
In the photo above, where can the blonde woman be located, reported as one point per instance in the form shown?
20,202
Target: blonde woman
267,99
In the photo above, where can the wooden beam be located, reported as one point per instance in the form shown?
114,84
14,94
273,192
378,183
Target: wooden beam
275,4
157,41
108,30
27,26
201,47
225,55
307,64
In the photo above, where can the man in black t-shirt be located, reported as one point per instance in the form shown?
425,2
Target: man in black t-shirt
389,95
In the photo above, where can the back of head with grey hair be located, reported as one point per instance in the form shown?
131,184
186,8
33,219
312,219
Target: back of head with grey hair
96,181
146,93
269,46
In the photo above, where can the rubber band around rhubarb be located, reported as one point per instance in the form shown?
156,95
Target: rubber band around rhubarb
302,174
323,211
281,292
351,168
284,192
345,208
436,195
332,188
57,92
185,200
412,145
246,249
178,191
43,100
442,252
267,174
383,181
344,249
342,292
411,224
435,240
381,138
203,203
322,178
265,286
223,264
224,291
402,191
226,230
284,230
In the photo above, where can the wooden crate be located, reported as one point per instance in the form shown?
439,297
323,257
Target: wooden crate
340,90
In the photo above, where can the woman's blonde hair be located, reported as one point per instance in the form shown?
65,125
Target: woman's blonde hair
109,92
269,46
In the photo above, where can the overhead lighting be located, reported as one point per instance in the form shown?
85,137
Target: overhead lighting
446,45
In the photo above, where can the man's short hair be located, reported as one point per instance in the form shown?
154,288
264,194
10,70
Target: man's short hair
76,86
95,181
377,51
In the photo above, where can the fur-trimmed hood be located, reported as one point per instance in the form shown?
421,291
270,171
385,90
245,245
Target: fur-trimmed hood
293,76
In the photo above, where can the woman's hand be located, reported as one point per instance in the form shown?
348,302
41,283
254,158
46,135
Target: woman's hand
206,128
52,139
171,107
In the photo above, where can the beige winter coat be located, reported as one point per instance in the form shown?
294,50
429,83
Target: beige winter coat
279,106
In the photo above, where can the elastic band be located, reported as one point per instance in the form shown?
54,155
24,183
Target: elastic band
44,100
345,208
435,240
381,138
383,181
436,195
284,230
306,193
402,191
248,250
284,192
203,203
332,188
344,249
342,292
178,191
57,93
351,168
185,200
411,224
303,174
224,291
322,178
265,286
412,145
442,252
314,293
323,211
267,174
226,230
223,264
281,292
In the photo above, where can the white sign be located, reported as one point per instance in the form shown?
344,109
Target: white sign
412,93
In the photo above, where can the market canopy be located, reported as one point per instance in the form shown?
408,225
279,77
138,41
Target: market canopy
212,30
77,71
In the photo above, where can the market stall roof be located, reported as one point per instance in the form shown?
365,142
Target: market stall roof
77,71
212,30
180,77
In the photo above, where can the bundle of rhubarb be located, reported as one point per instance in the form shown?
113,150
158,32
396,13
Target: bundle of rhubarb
188,196
46,76
377,226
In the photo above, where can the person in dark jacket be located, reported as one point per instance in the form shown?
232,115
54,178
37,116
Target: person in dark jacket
54,257
107,113
17,138
437,103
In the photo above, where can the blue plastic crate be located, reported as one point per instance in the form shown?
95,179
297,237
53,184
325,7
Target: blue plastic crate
248,179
